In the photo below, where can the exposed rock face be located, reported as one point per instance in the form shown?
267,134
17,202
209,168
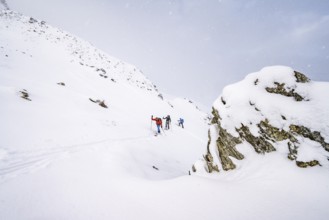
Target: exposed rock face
307,133
208,158
99,102
280,89
267,111
260,143
25,95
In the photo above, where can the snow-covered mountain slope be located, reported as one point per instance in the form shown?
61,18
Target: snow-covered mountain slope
63,156
52,84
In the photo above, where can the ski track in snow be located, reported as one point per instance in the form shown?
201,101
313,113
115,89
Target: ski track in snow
18,163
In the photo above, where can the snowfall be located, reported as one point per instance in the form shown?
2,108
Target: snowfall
63,156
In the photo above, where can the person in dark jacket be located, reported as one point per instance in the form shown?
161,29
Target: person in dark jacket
168,121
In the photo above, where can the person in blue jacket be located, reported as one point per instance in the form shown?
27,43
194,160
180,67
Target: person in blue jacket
181,122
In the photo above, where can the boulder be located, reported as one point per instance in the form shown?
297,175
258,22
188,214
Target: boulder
268,110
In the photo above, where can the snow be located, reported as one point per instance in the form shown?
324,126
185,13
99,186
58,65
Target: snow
242,96
247,102
65,157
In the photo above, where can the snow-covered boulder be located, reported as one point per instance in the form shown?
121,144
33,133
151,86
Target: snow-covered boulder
274,110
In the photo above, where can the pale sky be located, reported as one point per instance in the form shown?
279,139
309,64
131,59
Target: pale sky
193,48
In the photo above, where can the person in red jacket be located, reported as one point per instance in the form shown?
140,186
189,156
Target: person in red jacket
158,122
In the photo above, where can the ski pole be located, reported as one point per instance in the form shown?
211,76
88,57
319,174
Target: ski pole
163,131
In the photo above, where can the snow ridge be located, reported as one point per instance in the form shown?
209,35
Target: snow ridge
82,52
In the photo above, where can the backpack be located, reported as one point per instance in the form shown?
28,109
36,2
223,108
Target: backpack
158,121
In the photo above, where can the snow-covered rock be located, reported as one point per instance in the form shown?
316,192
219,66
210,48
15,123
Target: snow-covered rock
274,110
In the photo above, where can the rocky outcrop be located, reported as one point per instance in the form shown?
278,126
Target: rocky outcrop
307,133
208,158
268,127
99,102
25,95
61,84
301,78
260,143
307,164
280,89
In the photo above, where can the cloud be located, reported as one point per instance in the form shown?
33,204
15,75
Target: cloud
305,30
3,5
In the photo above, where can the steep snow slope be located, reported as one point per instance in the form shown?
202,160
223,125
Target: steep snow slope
63,156
61,73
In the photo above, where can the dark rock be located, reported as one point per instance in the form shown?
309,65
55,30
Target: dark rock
223,101
271,132
226,148
101,69
25,95
308,164
312,135
216,117
225,145
61,84
281,90
95,101
32,20
260,144
102,103
301,78
292,151
170,105
208,157
210,165
193,169
99,102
